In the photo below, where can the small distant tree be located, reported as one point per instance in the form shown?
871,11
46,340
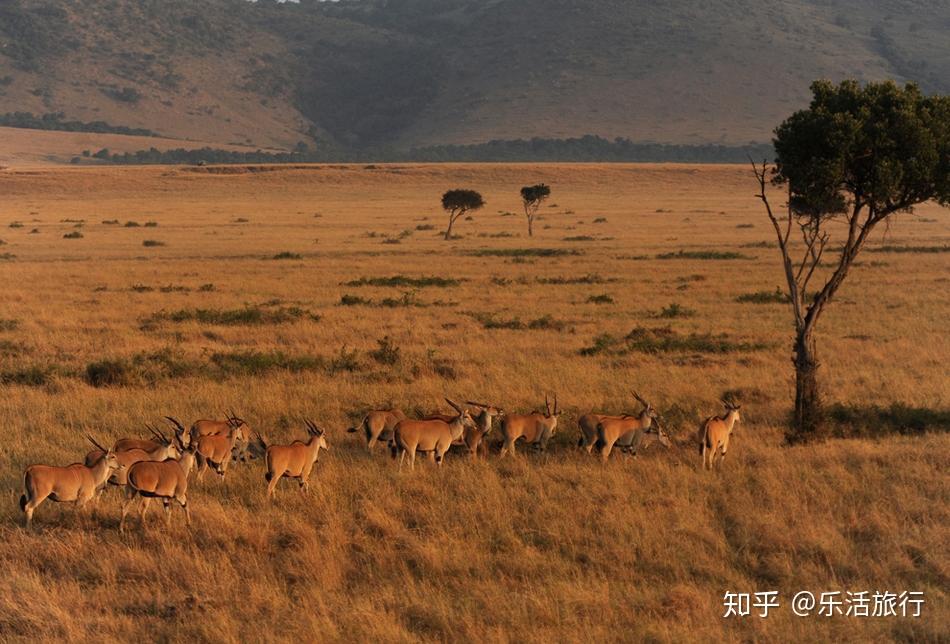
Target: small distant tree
531,197
856,156
459,202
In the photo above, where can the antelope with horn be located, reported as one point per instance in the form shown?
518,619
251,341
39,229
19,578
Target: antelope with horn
294,461
625,429
434,435
128,457
126,444
76,483
166,480
535,428
588,426
473,438
377,426
714,433
217,449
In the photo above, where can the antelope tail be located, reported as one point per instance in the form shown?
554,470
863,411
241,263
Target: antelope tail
23,503
268,476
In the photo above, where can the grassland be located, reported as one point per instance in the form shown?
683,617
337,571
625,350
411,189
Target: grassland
242,306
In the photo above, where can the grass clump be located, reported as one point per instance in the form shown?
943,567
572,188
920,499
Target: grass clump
674,311
579,238
602,298
287,255
910,249
525,252
545,322
132,224
9,324
354,300
152,243
73,235
666,340
30,376
703,254
763,297
403,281
854,421
387,352
590,278
248,316
260,362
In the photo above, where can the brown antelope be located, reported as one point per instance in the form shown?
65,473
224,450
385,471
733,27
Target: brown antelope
535,428
435,435
216,449
128,458
127,444
588,426
612,429
76,483
207,427
473,438
295,460
714,433
166,480
377,426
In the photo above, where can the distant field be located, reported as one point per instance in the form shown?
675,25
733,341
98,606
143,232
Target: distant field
258,289
25,147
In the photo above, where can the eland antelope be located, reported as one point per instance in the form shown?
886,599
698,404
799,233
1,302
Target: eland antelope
588,424
129,457
714,433
377,426
76,483
166,480
614,429
535,428
216,449
434,435
474,438
295,460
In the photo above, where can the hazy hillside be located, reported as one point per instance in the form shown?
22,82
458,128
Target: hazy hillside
424,72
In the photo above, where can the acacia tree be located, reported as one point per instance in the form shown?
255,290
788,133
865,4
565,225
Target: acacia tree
459,202
531,197
856,156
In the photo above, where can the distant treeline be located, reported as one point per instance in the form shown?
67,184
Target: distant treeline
54,121
586,148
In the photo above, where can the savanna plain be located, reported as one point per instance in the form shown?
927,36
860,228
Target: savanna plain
320,292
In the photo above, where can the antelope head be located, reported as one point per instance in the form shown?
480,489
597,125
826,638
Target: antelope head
319,434
649,411
488,413
732,409
660,433
180,432
464,417
108,455
171,447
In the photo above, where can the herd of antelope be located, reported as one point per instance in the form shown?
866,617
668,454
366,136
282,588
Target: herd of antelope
159,467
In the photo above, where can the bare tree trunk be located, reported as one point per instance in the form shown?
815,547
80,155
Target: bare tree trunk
530,221
448,231
809,416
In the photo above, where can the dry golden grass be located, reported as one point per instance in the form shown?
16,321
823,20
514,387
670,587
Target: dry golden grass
542,548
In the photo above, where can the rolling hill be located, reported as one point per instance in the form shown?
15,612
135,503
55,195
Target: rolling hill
381,74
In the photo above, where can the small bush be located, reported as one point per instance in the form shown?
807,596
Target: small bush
666,340
152,243
287,255
910,249
745,225
7,324
151,224
354,300
249,316
425,227
132,224
525,252
590,278
759,244
763,297
241,220
32,376
547,322
110,222
386,353
142,288
703,254
345,361
403,281
580,238
603,298
73,235
675,311
599,220
206,288
16,224
108,373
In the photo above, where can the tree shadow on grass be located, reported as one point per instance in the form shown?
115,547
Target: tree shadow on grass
853,421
